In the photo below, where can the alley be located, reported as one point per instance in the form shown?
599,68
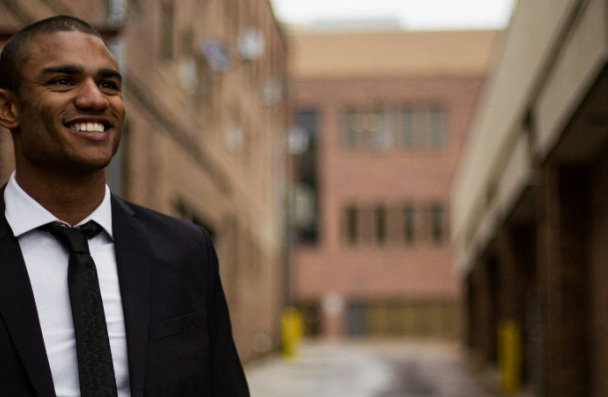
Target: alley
368,369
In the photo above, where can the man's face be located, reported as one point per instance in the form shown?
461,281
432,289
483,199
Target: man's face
69,104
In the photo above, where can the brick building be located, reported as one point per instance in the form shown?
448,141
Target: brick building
204,135
380,119
529,210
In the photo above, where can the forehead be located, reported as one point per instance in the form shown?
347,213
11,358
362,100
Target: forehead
62,48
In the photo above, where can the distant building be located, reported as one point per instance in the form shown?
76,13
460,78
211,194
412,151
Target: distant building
530,202
204,137
380,118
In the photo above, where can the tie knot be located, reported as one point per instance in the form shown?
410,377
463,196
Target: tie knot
73,238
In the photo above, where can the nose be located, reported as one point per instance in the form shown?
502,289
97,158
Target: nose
90,97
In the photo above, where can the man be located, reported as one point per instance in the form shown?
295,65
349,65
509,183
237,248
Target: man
166,330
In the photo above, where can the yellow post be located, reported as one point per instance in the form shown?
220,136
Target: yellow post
509,355
291,332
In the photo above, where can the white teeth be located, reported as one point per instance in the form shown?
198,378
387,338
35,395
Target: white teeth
88,127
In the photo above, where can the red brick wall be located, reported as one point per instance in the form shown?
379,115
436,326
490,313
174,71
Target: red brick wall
390,177
564,279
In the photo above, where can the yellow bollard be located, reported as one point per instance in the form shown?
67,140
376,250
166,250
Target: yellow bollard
509,355
291,332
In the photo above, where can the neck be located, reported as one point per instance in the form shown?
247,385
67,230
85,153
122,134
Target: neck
71,198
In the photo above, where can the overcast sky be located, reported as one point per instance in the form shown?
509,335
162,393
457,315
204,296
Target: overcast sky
412,14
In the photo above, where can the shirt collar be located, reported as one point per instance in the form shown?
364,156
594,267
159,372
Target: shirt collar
24,214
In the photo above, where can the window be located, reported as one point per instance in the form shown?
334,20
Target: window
364,128
304,213
407,127
437,222
358,225
423,127
380,224
437,127
306,173
409,224
366,223
352,229
412,126
352,127
395,225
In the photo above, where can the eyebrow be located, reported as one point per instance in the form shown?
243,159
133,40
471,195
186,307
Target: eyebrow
75,70
107,73
64,69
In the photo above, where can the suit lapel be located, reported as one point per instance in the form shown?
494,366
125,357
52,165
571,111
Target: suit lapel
18,309
133,258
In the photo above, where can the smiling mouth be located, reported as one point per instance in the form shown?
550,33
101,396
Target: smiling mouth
88,127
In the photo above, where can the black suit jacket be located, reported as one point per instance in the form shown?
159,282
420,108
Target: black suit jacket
179,339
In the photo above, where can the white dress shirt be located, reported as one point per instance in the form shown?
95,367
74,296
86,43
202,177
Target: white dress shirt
46,261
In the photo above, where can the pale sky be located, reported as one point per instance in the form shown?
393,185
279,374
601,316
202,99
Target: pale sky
412,14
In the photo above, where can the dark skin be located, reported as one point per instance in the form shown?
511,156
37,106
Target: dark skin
65,121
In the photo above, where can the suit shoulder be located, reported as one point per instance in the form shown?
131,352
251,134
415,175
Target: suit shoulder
164,225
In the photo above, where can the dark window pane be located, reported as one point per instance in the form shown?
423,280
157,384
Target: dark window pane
367,225
380,223
437,220
306,165
352,223
409,224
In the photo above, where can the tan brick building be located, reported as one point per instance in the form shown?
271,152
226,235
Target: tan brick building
205,131
385,115
529,208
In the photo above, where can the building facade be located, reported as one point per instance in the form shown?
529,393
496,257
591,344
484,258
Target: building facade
380,119
204,87
529,211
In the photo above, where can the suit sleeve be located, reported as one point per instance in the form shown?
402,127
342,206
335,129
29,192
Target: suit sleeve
227,375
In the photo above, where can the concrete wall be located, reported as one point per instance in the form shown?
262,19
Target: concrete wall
541,73
530,192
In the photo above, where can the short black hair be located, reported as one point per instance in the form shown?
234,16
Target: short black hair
12,56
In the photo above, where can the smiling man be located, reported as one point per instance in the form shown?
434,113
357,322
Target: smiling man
98,297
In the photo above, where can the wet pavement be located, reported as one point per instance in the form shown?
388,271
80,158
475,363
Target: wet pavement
368,369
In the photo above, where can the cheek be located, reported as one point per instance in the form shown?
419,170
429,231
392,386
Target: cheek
39,129
119,107
34,113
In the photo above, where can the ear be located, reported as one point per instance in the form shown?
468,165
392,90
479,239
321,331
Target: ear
9,114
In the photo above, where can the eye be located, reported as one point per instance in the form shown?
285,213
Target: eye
62,81
108,85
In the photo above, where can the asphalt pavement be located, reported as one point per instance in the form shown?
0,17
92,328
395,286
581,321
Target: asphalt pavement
409,368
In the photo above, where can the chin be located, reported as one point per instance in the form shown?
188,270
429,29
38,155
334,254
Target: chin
87,165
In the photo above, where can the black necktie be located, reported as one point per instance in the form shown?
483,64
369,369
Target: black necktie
95,367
